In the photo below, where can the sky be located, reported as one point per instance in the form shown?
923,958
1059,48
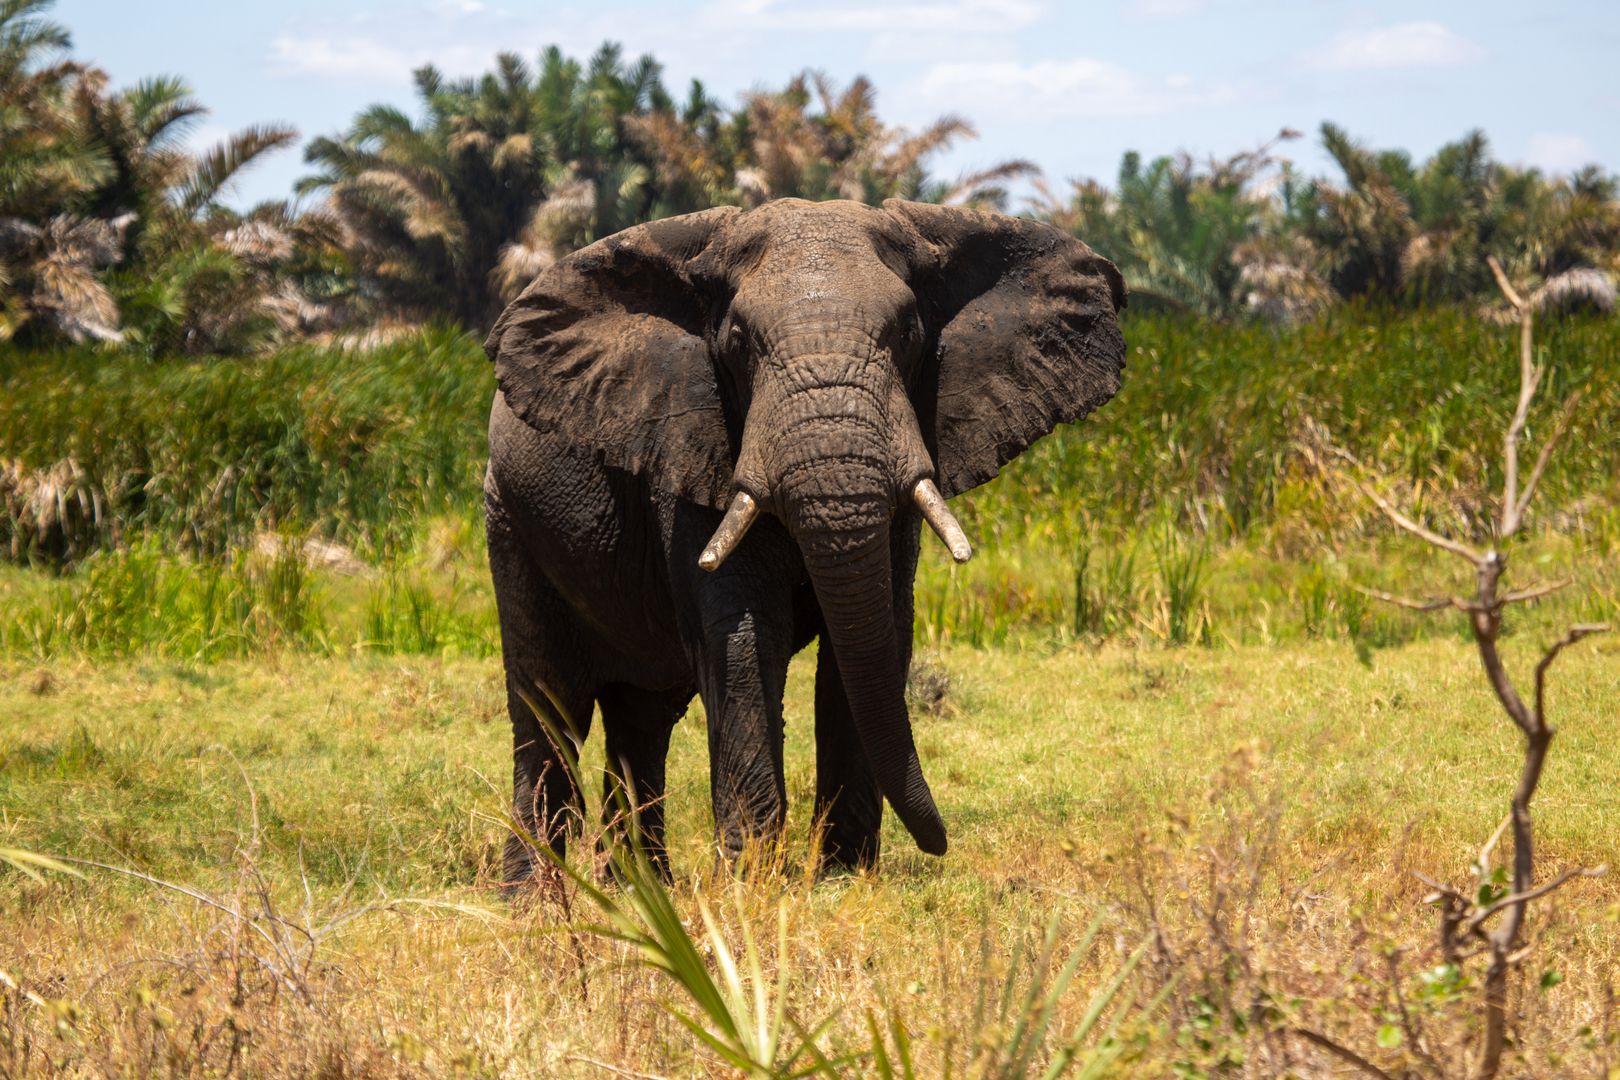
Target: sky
1071,86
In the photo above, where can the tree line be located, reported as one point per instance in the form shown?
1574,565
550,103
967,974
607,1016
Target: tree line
113,229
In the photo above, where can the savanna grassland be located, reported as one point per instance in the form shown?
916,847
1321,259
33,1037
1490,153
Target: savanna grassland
248,665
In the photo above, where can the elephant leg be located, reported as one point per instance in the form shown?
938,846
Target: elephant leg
545,688
745,674
737,626
848,803
637,724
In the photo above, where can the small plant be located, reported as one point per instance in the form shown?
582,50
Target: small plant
1181,568
1495,896
1104,594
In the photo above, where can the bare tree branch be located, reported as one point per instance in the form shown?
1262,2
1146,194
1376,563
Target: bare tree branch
1482,866
1502,282
1435,604
1391,511
1561,426
1536,591
1576,633
1340,1051
1558,882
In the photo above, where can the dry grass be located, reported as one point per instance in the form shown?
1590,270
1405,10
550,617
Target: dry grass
1254,811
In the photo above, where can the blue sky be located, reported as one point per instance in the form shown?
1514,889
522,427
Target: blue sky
1068,85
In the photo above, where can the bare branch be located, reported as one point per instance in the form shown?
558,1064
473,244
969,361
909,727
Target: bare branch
1435,604
1391,511
1340,1051
1534,592
1497,674
1482,865
1576,633
1441,889
1540,890
1561,426
1502,282
1529,379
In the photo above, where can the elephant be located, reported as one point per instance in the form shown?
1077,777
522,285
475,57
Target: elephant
714,439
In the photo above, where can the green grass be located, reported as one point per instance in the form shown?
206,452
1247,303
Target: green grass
1160,706
201,454
1071,778
363,446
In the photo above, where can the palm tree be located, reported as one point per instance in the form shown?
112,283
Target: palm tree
1185,236
101,205
449,213
177,288
48,253
782,148
1421,233
1364,227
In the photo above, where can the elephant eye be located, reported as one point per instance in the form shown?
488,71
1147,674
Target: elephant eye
910,329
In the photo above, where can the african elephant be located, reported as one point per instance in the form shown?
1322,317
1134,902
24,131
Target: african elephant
716,437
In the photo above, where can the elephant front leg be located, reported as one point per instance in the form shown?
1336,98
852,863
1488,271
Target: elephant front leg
746,673
849,806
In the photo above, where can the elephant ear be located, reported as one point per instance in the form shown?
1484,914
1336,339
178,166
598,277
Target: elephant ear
606,348
1022,320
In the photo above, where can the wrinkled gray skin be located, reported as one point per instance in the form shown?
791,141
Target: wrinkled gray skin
823,358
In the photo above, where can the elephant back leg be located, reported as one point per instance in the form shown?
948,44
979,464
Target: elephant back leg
637,725
549,694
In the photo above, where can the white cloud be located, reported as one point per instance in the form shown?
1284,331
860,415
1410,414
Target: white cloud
1168,9
1559,151
368,60
456,8
896,47
944,16
1412,44
1064,88
339,58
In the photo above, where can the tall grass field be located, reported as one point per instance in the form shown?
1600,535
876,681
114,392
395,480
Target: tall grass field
252,712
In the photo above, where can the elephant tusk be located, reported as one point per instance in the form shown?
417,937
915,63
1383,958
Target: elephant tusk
932,505
739,516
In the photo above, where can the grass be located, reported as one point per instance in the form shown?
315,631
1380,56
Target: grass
1188,764
1162,586
381,778
364,447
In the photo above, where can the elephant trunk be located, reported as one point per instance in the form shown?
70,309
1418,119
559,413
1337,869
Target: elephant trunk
854,584
844,448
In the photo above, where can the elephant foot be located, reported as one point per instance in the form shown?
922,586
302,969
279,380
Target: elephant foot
614,869
848,855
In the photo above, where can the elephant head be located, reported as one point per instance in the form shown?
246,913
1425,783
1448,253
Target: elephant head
825,363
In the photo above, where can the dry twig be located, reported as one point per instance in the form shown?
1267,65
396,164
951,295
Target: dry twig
1464,913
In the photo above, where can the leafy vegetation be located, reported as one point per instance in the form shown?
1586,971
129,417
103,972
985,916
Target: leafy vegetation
1185,512
112,231
363,447
1247,234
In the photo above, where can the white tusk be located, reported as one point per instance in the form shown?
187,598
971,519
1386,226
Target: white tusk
932,505
739,516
